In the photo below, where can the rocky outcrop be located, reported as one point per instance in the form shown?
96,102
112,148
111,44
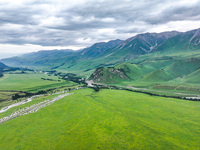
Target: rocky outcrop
108,75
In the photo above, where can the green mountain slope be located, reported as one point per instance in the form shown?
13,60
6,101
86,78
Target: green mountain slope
157,76
154,71
140,44
133,71
181,68
182,42
193,77
108,75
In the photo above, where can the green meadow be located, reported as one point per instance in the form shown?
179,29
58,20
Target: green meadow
108,119
30,82
11,84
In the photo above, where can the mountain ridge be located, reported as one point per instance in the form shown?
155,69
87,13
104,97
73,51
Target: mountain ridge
135,49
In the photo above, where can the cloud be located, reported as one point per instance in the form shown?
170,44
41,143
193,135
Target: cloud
80,23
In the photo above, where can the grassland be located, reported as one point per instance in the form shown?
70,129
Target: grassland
108,119
11,84
30,82
171,88
34,101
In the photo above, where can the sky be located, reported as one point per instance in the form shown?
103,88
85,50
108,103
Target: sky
32,25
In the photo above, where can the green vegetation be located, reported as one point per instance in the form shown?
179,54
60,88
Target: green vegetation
110,75
159,64
17,85
16,108
108,119
165,73
157,75
193,77
30,82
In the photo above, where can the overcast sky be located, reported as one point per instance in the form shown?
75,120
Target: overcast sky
32,25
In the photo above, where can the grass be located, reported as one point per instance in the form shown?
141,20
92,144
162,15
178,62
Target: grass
30,82
171,88
109,119
12,84
34,101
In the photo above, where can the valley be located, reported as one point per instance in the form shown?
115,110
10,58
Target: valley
139,93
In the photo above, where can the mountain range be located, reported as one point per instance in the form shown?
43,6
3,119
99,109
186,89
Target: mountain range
167,55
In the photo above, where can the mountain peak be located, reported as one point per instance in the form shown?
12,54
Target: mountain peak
145,42
99,48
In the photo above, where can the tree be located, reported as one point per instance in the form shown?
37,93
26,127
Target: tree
16,96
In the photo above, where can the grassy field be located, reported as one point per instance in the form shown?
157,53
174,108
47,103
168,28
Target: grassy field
108,119
171,88
12,84
30,82
17,108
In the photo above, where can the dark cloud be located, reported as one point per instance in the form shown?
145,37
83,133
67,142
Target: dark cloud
59,23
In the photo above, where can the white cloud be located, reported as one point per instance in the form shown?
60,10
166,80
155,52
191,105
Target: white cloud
9,48
52,21
181,26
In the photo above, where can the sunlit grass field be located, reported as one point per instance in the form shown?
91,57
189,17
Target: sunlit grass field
108,119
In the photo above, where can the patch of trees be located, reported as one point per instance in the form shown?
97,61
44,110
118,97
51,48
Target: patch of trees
50,72
104,65
98,87
49,79
58,66
87,70
16,96
1,74
27,94
72,77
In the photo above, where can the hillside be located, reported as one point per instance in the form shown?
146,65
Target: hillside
182,42
165,75
108,75
194,77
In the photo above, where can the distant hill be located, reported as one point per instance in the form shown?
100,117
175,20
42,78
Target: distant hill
160,71
121,72
2,66
108,75
45,59
53,59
